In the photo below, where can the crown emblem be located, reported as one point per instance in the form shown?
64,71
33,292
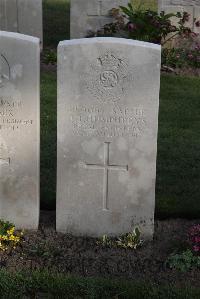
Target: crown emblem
108,77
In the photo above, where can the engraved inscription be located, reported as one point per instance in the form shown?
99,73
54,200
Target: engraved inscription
106,167
108,78
109,122
10,118
4,70
10,107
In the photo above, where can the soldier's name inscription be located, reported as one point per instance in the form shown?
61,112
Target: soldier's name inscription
116,121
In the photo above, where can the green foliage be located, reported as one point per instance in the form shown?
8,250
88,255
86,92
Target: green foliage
106,241
130,240
56,20
145,25
52,285
5,226
179,58
49,56
48,140
178,162
184,261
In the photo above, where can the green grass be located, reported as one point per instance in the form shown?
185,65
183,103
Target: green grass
44,285
178,165
56,20
48,140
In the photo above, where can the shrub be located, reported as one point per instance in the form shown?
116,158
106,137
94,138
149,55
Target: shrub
146,25
130,240
184,261
179,58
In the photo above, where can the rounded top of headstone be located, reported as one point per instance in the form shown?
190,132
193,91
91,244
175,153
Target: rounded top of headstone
113,40
19,36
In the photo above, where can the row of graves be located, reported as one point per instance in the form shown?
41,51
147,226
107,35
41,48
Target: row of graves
108,95
25,16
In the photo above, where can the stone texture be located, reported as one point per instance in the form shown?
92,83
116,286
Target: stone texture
190,6
91,15
108,97
19,129
22,16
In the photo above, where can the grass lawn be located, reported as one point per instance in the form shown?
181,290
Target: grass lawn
56,21
178,166
44,285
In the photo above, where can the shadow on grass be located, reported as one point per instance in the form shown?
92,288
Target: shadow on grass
56,21
48,141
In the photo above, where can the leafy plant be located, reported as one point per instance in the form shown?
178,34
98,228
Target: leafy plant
182,57
145,25
184,261
105,241
9,238
49,56
130,240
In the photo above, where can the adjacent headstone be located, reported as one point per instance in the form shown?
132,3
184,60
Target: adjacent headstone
108,98
91,15
19,129
22,16
192,7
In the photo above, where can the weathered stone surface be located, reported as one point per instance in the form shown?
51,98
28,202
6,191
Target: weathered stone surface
108,97
22,16
91,15
179,2
19,129
190,6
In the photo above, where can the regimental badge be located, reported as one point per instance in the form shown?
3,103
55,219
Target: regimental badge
109,77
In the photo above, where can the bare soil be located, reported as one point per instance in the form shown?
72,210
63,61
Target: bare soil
47,249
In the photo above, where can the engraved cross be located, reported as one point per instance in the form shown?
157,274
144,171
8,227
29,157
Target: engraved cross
106,167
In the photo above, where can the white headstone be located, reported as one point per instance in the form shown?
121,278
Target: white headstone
91,15
192,7
22,16
19,129
108,98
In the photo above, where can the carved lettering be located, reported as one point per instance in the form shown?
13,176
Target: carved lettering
114,122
